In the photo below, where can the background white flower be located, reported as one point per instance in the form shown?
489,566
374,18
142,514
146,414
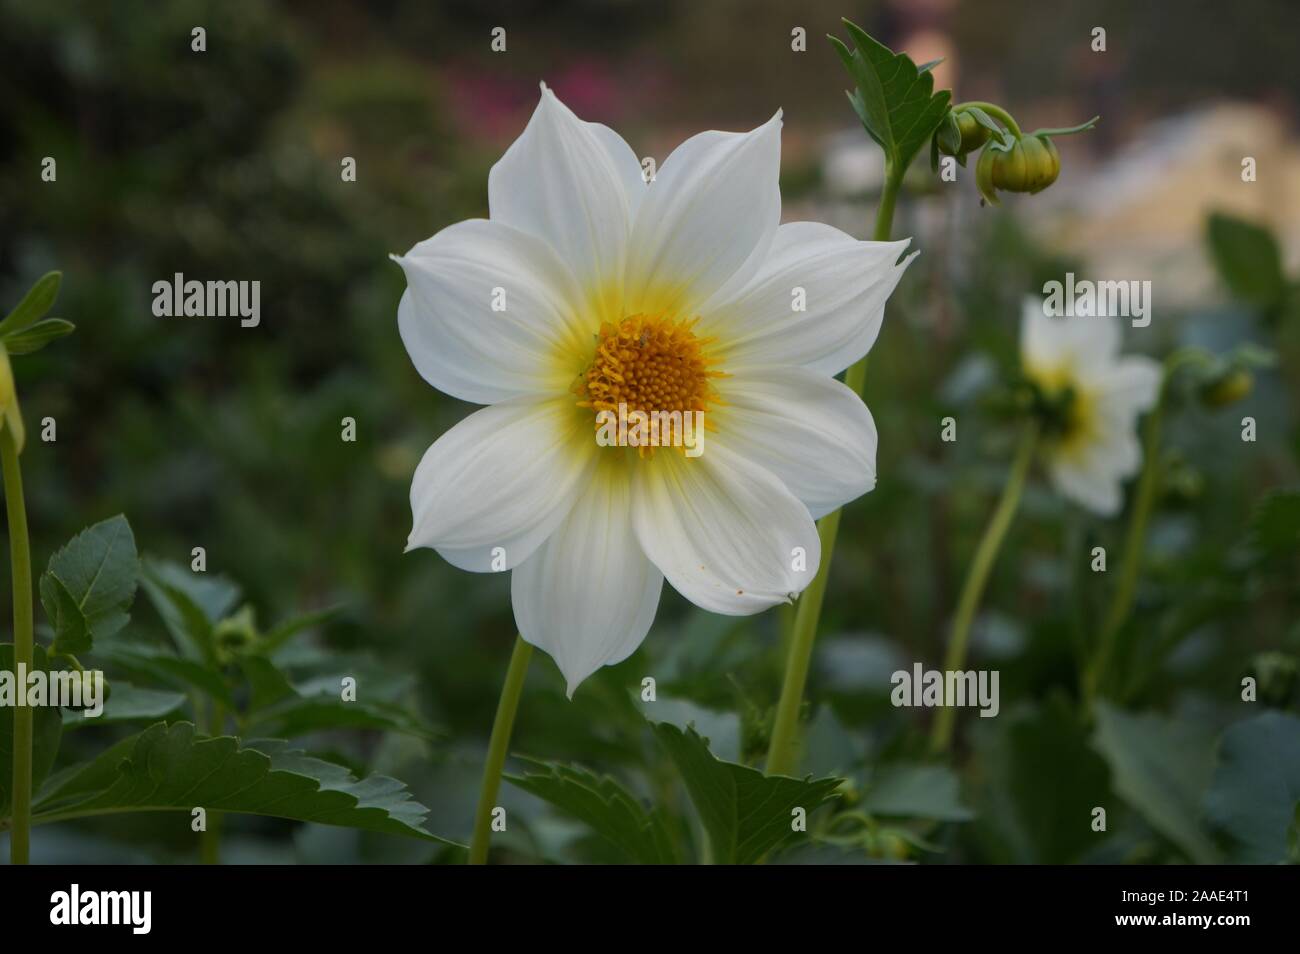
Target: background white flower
1096,446
673,295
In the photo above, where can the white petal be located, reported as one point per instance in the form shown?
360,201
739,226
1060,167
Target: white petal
727,534
1084,482
503,477
845,286
1076,345
1131,384
712,208
588,595
464,347
808,429
573,184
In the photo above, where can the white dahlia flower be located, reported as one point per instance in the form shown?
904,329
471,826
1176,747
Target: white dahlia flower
1075,363
591,297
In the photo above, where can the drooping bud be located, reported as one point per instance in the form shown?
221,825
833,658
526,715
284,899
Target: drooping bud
1030,164
1231,386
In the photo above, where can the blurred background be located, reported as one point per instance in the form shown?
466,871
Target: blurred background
226,164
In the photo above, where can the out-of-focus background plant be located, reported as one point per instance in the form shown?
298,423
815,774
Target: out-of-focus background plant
226,164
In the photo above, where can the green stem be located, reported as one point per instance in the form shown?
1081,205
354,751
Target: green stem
210,837
497,748
782,752
977,577
1121,604
996,111
20,558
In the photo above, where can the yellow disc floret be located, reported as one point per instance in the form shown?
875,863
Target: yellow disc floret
655,365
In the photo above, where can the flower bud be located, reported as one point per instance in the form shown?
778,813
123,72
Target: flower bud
960,134
1030,165
1228,388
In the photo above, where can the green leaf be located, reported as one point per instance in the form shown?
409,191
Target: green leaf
190,604
37,301
161,665
1162,768
746,813
89,585
278,708
613,813
38,335
167,768
1253,800
1249,260
47,729
1037,784
290,628
894,99
916,791
128,703
1275,522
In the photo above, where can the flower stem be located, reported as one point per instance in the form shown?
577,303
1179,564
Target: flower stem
782,750
978,575
210,837
20,558
497,747
1121,604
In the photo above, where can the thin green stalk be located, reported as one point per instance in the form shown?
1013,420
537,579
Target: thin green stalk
977,577
782,750
1121,604
497,748
20,559
210,837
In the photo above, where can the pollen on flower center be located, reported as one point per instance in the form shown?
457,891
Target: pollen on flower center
655,365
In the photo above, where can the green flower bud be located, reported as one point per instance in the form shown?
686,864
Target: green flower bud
235,633
960,134
1030,165
1228,388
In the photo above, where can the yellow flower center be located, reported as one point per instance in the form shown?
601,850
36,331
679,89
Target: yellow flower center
1076,425
653,364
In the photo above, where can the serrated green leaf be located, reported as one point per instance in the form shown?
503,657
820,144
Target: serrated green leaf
1248,259
38,300
746,813
1255,795
47,730
37,336
894,99
638,833
1162,768
916,791
90,584
168,768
